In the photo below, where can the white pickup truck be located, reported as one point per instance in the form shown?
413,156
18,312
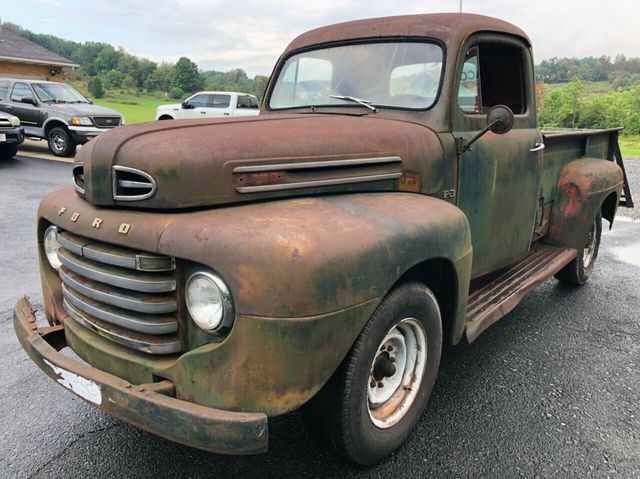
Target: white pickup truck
211,104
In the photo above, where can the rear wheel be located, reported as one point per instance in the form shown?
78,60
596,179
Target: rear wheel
374,400
578,271
60,142
8,151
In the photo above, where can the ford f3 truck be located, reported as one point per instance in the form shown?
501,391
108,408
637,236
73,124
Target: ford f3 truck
394,193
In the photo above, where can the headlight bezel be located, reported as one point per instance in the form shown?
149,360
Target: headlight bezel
226,300
54,261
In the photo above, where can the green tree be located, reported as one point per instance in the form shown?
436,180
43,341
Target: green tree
95,88
187,77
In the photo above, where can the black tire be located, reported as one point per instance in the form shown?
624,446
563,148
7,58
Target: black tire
8,151
60,142
342,410
579,270
165,117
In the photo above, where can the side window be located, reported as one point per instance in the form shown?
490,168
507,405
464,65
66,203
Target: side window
20,91
221,101
469,94
244,101
200,101
493,74
4,89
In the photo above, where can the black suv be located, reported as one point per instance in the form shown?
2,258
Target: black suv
56,112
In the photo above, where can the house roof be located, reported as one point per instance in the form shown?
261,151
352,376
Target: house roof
15,48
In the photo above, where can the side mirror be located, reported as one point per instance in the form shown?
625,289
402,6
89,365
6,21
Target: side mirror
90,101
186,105
499,121
30,100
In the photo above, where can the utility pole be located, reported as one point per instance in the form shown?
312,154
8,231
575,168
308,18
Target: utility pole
460,6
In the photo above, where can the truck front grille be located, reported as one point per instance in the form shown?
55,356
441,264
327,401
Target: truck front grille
126,296
106,121
5,123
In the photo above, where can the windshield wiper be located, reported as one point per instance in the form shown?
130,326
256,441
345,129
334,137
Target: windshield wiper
359,101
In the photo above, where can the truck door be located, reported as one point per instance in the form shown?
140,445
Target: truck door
499,178
221,105
196,107
28,113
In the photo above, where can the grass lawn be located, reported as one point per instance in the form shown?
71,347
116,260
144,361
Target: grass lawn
630,146
134,110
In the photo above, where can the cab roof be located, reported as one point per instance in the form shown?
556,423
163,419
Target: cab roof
450,28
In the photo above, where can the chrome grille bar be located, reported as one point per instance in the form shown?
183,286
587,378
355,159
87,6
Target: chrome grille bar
119,277
140,342
148,324
141,303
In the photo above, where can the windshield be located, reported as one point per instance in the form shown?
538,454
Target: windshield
388,74
59,93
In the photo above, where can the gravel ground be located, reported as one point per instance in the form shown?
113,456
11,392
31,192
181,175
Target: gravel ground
632,167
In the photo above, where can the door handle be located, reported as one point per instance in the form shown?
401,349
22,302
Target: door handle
203,112
537,147
226,114
9,107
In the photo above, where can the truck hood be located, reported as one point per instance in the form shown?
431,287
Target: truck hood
82,109
170,106
198,163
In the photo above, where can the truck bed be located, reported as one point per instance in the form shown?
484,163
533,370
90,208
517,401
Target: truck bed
563,146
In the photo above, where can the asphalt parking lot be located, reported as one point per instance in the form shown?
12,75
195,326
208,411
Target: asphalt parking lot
552,390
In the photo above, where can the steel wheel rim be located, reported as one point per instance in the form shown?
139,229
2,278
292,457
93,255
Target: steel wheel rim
590,248
389,398
59,142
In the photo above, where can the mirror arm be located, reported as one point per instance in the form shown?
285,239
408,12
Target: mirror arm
464,145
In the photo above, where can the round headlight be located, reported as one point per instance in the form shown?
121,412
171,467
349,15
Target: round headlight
208,301
14,120
51,246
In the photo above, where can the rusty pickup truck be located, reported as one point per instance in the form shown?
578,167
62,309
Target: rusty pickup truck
394,193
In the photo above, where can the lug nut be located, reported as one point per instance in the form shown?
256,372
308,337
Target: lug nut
389,348
380,385
372,384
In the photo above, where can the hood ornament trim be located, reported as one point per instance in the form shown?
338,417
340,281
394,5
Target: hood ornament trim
131,184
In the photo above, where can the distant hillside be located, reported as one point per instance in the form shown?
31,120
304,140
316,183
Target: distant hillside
104,67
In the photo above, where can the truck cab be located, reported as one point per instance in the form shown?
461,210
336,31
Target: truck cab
394,193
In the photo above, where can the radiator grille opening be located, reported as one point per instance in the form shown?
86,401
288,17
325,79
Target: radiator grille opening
124,295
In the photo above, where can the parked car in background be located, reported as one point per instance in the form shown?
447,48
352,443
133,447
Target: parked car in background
56,112
11,135
211,104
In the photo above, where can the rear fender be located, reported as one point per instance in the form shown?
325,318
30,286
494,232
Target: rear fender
583,187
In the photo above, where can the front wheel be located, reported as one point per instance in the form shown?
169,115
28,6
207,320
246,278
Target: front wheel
60,142
579,270
8,151
374,400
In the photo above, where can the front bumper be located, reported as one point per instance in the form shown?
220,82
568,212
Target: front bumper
148,406
82,134
12,135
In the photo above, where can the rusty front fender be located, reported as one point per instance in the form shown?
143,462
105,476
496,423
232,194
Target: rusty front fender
583,187
305,275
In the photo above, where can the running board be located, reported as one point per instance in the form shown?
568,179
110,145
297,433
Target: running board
491,301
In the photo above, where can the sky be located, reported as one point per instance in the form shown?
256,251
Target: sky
251,34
